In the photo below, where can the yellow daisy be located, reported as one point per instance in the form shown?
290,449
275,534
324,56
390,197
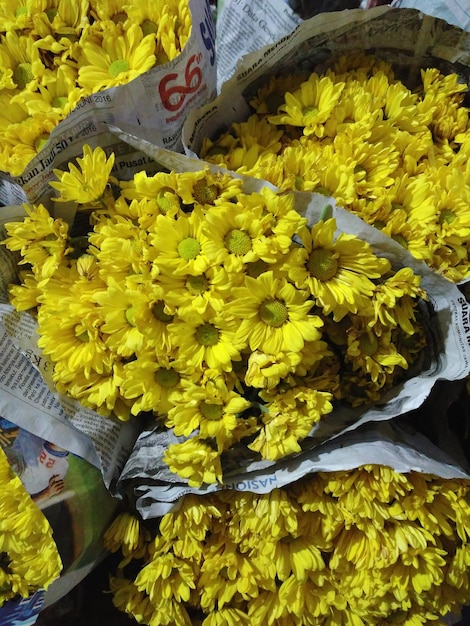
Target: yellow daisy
87,182
213,412
23,57
180,246
151,384
273,315
194,460
337,271
120,56
207,340
310,106
289,417
372,354
41,240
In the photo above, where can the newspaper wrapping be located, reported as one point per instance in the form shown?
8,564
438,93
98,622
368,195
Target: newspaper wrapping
154,104
448,358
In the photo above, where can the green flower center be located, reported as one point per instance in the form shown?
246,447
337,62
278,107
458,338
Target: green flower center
167,200
23,75
204,193
51,13
446,216
158,311
401,240
119,18
207,335
117,67
368,344
310,113
273,313
82,333
323,190
40,142
397,207
167,378
189,248
148,27
237,242
130,316
256,268
322,264
21,11
59,102
197,284
299,183
211,411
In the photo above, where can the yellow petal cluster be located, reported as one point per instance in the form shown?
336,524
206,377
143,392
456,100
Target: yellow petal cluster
221,312
29,559
365,547
395,156
53,54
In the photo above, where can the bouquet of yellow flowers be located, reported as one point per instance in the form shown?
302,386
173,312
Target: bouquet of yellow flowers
364,547
23,568
67,70
386,134
228,315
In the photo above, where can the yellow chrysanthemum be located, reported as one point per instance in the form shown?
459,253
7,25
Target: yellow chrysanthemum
211,411
23,568
118,57
337,271
23,58
194,460
151,384
87,182
273,315
209,340
309,106
180,246
41,240
288,417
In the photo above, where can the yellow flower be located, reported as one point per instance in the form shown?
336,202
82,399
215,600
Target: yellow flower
309,106
117,57
41,240
161,188
152,384
166,577
23,57
124,534
180,246
25,295
337,271
289,417
24,569
87,182
208,340
59,94
198,293
271,94
194,460
274,316
227,616
266,370
372,354
213,412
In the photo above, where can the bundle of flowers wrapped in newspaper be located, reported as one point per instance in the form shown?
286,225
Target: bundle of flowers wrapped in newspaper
52,58
366,547
23,568
223,313
396,157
